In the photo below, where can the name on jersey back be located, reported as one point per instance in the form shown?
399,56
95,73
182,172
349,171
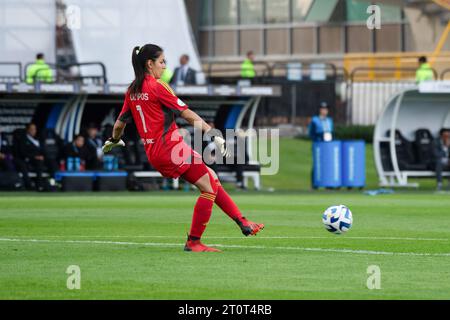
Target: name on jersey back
139,96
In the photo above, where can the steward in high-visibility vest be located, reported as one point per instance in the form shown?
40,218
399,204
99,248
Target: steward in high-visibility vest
247,67
424,72
39,71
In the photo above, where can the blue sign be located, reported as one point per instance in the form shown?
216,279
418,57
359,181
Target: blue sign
327,164
354,163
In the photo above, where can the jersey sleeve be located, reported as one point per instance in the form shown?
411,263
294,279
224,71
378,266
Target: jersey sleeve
126,115
168,98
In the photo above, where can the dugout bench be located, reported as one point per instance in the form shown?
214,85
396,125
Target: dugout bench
67,108
92,180
412,118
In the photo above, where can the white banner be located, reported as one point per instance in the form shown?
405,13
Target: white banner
108,30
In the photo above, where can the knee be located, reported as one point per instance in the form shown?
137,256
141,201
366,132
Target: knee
207,183
215,179
214,183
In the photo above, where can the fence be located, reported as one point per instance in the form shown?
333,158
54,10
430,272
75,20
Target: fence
369,98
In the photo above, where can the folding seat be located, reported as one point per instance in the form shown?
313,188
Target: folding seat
405,153
424,148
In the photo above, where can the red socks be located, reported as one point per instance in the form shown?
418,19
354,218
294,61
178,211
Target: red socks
202,213
204,205
224,201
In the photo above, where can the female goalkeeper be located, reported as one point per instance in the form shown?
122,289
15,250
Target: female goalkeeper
153,106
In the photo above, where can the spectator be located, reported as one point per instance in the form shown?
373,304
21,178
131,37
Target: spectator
76,148
183,74
6,163
441,155
39,71
29,154
9,178
247,67
94,151
424,72
321,126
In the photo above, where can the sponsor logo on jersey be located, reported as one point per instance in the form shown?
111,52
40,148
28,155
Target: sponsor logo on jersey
148,141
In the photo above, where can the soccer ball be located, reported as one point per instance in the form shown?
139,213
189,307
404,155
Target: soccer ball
337,219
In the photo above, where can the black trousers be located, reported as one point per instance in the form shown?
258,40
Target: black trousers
6,165
439,168
36,165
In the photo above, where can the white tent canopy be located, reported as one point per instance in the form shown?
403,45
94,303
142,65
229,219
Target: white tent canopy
26,28
110,29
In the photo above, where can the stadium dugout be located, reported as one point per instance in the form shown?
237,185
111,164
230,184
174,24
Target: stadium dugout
405,130
70,103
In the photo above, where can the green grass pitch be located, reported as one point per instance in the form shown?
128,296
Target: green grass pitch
129,246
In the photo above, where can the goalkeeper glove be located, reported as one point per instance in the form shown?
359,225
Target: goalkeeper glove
111,143
222,146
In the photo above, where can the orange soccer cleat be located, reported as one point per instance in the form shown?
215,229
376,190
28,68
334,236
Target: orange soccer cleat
249,228
197,246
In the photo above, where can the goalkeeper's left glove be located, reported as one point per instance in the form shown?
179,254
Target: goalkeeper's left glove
111,143
222,146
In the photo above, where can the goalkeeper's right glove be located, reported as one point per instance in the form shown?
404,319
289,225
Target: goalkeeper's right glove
111,143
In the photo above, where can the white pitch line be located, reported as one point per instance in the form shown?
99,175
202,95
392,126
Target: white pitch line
343,237
159,244
92,242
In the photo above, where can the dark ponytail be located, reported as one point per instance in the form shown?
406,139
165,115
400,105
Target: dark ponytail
139,58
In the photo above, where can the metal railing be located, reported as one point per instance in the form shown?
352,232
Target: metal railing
63,73
11,78
306,68
392,72
443,73
260,71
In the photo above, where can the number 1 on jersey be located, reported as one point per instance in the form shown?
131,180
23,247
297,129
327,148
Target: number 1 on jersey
139,109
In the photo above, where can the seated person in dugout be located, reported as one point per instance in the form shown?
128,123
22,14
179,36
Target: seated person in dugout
94,145
76,149
6,164
30,156
441,155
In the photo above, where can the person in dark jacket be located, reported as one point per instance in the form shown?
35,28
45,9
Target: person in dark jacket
6,163
76,148
441,155
29,155
93,148
183,74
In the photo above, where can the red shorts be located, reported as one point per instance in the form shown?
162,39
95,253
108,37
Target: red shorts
173,163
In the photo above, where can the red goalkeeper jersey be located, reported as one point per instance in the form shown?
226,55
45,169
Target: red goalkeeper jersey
154,111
